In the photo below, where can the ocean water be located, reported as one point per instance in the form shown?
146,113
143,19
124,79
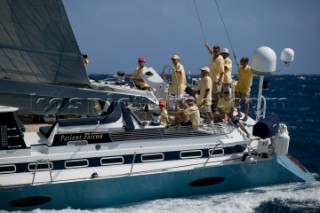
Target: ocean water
296,100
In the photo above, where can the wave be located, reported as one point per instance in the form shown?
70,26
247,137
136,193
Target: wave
294,197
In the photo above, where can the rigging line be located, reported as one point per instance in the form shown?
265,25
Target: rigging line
201,26
225,28
197,10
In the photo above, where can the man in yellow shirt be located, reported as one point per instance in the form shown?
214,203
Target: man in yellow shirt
139,82
227,78
216,72
193,112
204,99
178,77
85,60
225,107
243,87
189,115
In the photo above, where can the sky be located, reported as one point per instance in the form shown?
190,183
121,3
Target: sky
115,33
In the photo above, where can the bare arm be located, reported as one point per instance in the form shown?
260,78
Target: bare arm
220,79
135,78
209,49
138,79
220,111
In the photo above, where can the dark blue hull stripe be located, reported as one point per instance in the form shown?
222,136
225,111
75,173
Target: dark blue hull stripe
127,159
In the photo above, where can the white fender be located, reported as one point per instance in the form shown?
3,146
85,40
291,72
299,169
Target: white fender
282,140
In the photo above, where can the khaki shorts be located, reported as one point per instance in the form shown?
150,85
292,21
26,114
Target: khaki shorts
205,108
216,88
242,95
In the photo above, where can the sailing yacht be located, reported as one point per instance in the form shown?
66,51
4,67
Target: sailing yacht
114,158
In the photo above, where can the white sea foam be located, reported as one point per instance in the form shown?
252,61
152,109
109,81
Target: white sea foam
307,194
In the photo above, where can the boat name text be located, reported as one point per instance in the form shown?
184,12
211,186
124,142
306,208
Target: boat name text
81,137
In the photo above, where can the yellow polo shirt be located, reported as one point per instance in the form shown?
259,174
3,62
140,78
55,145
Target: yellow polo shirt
137,73
163,117
225,106
244,79
216,68
204,84
178,80
227,79
194,115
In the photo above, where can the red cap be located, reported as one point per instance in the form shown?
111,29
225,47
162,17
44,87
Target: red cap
142,59
162,103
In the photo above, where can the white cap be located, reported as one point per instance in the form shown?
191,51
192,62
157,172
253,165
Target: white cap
225,50
206,69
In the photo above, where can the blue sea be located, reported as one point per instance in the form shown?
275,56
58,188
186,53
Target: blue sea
296,99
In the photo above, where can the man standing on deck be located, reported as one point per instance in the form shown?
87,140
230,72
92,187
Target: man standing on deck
243,88
205,93
85,60
227,79
216,72
178,77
